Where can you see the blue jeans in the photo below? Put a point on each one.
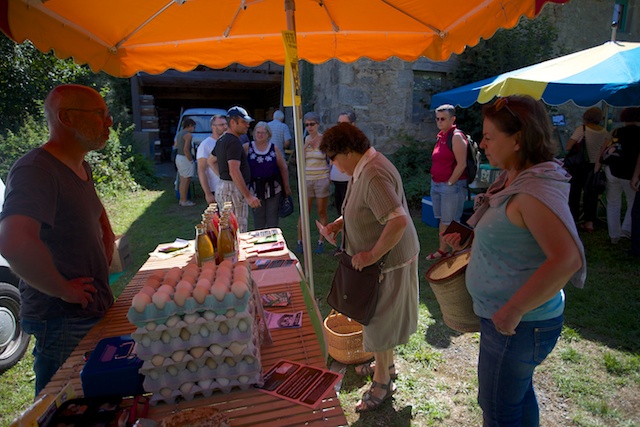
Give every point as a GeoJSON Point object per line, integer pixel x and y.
{"type": "Point", "coordinates": [55, 340]}
{"type": "Point", "coordinates": [448, 200]}
{"type": "Point", "coordinates": [505, 371]}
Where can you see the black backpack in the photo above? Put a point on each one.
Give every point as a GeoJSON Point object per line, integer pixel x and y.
{"type": "Point", "coordinates": [473, 154]}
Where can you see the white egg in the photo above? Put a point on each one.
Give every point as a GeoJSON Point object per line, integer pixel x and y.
{"type": "Point", "coordinates": [230, 313]}
{"type": "Point", "coordinates": [177, 356]}
{"type": "Point", "coordinates": [205, 384]}
{"type": "Point", "coordinates": [242, 325]}
{"type": "Point", "coordinates": [215, 349]}
{"type": "Point", "coordinates": [223, 381]}
{"type": "Point", "coordinates": [236, 348]}
{"type": "Point", "coordinates": [140, 301]}
{"type": "Point", "coordinates": [191, 318]}
{"type": "Point", "coordinates": [172, 370]}
{"type": "Point", "coordinates": [160, 299]}
{"type": "Point", "coordinates": [249, 359]}
{"type": "Point", "coordinates": [153, 374]}
{"type": "Point", "coordinates": [223, 328]}
{"type": "Point", "coordinates": [151, 326]}
{"type": "Point", "coordinates": [165, 392]}
{"type": "Point", "coordinates": [172, 321]}
{"type": "Point", "coordinates": [204, 331]}
{"type": "Point", "coordinates": [209, 315]}
{"type": "Point", "coordinates": [165, 337]}
{"type": "Point", "coordinates": [192, 366]}
{"type": "Point", "coordinates": [243, 379]}
{"type": "Point", "coordinates": [197, 352]}
{"type": "Point", "coordinates": [211, 364]}
{"type": "Point", "coordinates": [146, 341]}
{"type": "Point", "coordinates": [186, 387]}
{"type": "Point", "coordinates": [157, 360]}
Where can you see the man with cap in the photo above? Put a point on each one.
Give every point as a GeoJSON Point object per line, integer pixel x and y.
{"type": "Point", "coordinates": [229, 160]}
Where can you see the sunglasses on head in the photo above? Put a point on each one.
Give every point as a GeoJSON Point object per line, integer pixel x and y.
{"type": "Point", "coordinates": [504, 103]}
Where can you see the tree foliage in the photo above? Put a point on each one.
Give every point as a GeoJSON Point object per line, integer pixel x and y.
{"type": "Point", "coordinates": [530, 42]}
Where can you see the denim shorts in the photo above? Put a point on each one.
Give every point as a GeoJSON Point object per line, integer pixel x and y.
{"type": "Point", "coordinates": [448, 200]}
{"type": "Point", "coordinates": [505, 371]}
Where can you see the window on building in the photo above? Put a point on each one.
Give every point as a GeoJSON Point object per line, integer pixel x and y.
{"type": "Point", "coordinates": [620, 10]}
{"type": "Point", "coordinates": [425, 84]}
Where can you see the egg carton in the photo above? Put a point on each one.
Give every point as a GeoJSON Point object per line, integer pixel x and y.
{"type": "Point", "coordinates": [206, 388]}
{"type": "Point", "coordinates": [188, 360]}
{"type": "Point", "coordinates": [154, 314]}
{"type": "Point", "coordinates": [154, 382]}
{"type": "Point", "coordinates": [204, 338]}
{"type": "Point", "coordinates": [192, 323]}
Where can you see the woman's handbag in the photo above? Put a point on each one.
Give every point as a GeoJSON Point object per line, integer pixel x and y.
{"type": "Point", "coordinates": [597, 181]}
{"type": "Point", "coordinates": [577, 156]}
{"type": "Point", "coordinates": [355, 293]}
{"type": "Point", "coordinates": [286, 206]}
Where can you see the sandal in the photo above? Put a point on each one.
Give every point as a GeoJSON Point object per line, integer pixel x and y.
{"type": "Point", "coordinates": [438, 255]}
{"type": "Point", "coordinates": [370, 401]}
{"type": "Point", "coordinates": [368, 369]}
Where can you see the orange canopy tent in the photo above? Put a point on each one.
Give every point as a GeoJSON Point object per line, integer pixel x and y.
{"type": "Point", "coordinates": [122, 37]}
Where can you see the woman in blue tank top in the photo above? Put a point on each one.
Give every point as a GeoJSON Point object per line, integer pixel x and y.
{"type": "Point", "coordinates": [525, 249]}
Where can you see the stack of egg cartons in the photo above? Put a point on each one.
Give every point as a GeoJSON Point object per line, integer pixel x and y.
{"type": "Point", "coordinates": [197, 331]}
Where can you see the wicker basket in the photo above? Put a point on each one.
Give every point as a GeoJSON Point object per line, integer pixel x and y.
{"type": "Point", "coordinates": [344, 339]}
{"type": "Point", "coordinates": [446, 278]}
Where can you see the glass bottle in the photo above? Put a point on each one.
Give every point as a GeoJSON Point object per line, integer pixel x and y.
{"type": "Point", "coordinates": [227, 248]}
{"type": "Point", "coordinates": [233, 220]}
{"type": "Point", "coordinates": [204, 247]}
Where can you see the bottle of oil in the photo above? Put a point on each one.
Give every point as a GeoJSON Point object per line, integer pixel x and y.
{"type": "Point", "coordinates": [210, 231]}
{"type": "Point", "coordinates": [227, 247]}
{"type": "Point", "coordinates": [204, 247]}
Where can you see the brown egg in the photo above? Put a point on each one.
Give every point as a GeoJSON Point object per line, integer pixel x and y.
{"type": "Point", "coordinates": [140, 302]}
{"type": "Point", "coordinates": [160, 299]}
{"type": "Point", "coordinates": [199, 294]}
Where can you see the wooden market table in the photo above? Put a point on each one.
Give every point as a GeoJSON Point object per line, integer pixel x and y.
{"type": "Point", "coordinates": [243, 408]}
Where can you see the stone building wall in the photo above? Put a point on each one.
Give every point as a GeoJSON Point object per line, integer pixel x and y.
{"type": "Point", "coordinates": [392, 98]}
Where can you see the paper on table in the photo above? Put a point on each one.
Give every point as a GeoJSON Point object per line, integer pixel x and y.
{"type": "Point", "coordinates": [323, 230]}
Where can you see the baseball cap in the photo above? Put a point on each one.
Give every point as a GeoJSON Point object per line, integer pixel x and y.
{"type": "Point", "coordinates": [239, 112]}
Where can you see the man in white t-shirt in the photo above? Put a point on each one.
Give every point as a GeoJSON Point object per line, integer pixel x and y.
{"type": "Point", "coordinates": [208, 179]}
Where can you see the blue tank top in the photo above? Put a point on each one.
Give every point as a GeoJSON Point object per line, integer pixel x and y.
{"type": "Point", "coordinates": [504, 256]}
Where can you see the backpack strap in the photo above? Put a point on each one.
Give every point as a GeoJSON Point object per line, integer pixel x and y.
{"type": "Point", "coordinates": [450, 138]}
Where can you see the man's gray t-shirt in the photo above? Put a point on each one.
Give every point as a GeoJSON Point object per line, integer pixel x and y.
{"type": "Point", "coordinates": [43, 188]}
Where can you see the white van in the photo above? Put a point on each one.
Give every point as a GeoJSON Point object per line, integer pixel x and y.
{"type": "Point", "coordinates": [202, 117]}
{"type": "Point", "coordinates": [13, 340]}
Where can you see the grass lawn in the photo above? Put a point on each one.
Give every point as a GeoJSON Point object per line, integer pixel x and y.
{"type": "Point", "coordinates": [591, 379]}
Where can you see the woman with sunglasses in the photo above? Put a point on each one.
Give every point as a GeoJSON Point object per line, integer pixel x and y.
{"type": "Point", "coordinates": [525, 250]}
{"type": "Point", "coordinates": [448, 177]}
{"type": "Point", "coordinates": [316, 167]}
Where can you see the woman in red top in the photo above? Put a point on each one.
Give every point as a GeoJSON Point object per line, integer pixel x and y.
{"type": "Point", "coordinates": [448, 178]}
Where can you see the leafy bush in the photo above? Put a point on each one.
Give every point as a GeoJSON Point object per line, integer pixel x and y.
{"type": "Point", "coordinates": [413, 161]}
{"type": "Point", "coordinates": [30, 135]}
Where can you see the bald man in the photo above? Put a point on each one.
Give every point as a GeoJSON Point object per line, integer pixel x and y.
{"type": "Point", "coordinates": [54, 231]}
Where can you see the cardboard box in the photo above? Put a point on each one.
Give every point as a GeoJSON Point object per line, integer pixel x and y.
{"type": "Point", "coordinates": [427, 212]}
{"type": "Point", "coordinates": [121, 255]}
{"type": "Point", "coordinates": [112, 369]}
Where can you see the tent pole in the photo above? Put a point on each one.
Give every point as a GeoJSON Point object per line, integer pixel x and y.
{"type": "Point", "coordinates": [290, 7]}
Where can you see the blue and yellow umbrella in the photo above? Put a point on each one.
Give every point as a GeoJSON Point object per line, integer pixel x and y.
{"type": "Point", "coordinates": [609, 73]}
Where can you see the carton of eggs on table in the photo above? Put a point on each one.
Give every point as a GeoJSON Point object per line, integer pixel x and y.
{"type": "Point", "coordinates": [190, 290]}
